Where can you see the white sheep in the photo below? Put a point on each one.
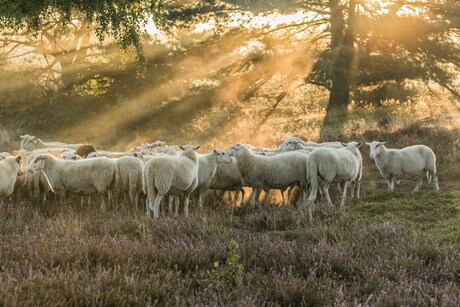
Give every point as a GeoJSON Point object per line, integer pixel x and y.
{"type": "Point", "coordinates": [227, 178]}
{"type": "Point", "coordinates": [413, 161]}
{"type": "Point", "coordinates": [271, 172]}
{"type": "Point", "coordinates": [307, 144]}
{"type": "Point", "coordinates": [4, 155]}
{"type": "Point", "coordinates": [80, 177]}
{"type": "Point", "coordinates": [129, 179]}
{"type": "Point", "coordinates": [175, 175]}
{"type": "Point", "coordinates": [30, 143]}
{"type": "Point", "coordinates": [333, 165]}
{"type": "Point", "coordinates": [207, 166]}
{"type": "Point", "coordinates": [70, 155]}
{"type": "Point", "coordinates": [21, 181]}
{"type": "Point", "coordinates": [10, 169]}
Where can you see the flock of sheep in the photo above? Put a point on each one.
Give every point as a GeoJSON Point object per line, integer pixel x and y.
{"type": "Point", "coordinates": [150, 172]}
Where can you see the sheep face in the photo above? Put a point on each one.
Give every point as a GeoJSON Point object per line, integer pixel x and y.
{"type": "Point", "coordinates": [233, 149]}
{"type": "Point", "coordinates": [70, 155]}
{"type": "Point", "coordinates": [237, 148]}
{"type": "Point", "coordinates": [189, 147]}
{"type": "Point", "coordinates": [37, 164]}
{"type": "Point", "coordinates": [352, 144]}
{"type": "Point", "coordinates": [93, 154]}
{"type": "Point", "coordinates": [374, 148]}
{"type": "Point", "coordinates": [222, 156]}
{"type": "Point", "coordinates": [18, 166]}
{"type": "Point", "coordinates": [289, 145]}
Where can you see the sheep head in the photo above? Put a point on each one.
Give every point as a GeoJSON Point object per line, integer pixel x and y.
{"type": "Point", "coordinates": [375, 148]}
{"type": "Point", "coordinates": [222, 156]}
{"type": "Point", "coordinates": [38, 163]}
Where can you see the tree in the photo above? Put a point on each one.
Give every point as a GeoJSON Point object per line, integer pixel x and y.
{"type": "Point", "coordinates": [65, 23]}
{"type": "Point", "coordinates": [371, 44]}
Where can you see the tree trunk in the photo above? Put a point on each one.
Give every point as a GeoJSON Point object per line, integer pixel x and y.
{"type": "Point", "coordinates": [342, 56]}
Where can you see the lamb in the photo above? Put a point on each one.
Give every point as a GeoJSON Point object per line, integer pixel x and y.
{"type": "Point", "coordinates": [175, 175]}
{"type": "Point", "coordinates": [30, 143]}
{"type": "Point", "coordinates": [10, 169]}
{"type": "Point", "coordinates": [227, 178]}
{"type": "Point", "coordinates": [271, 172]}
{"type": "Point", "coordinates": [81, 177]}
{"type": "Point", "coordinates": [412, 161]}
{"type": "Point", "coordinates": [333, 165]}
{"type": "Point", "coordinates": [207, 166]}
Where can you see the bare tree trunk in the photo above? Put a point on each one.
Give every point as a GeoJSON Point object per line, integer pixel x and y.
{"type": "Point", "coordinates": [342, 56]}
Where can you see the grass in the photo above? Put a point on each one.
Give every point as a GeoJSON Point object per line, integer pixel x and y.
{"type": "Point", "coordinates": [391, 248]}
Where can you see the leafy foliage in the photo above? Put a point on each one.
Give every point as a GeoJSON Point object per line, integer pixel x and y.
{"type": "Point", "coordinates": [120, 19]}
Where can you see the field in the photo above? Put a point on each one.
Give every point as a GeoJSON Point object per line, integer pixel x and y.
{"type": "Point", "coordinates": [385, 249]}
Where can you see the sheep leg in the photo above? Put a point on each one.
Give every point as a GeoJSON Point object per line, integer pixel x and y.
{"type": "Point", "coordinates": [358, 189]}
{"type": "Point", "coordinates": [418, 184]}
{"type": "Point", "coordinates": [282, 196]}
{"type": "Point", "coordinates": [255, 192]}
{"type": "Point", "coordinates": [289, 195]}
{"type": "Point", "coordinates": [391, 183]}
{"type": "Point", "coordinates": [267, 196]}
{"type": "Point", "coordinates": [186, 201]}
{"type": "Point", "coordinates": [156, 205]}
{"type": "Point", "coordinates": [148, 205]}
{"type": "Point", "coordinates": [344, 194]}
{"type": "Point", "coordinates": [339, 187]}
{"type": "Point", "coordinates": [199, 199]}
{"type": "Point", "coordinates": [326, 193]}
{"type": "Point", "coordinates": [170, 204]}
{"type": "Point", "coordinates": [243, 192]}
{"type": "Point", "coordinates": [435, 182]}
{"type": "Point", "coordinates": [177, 201]}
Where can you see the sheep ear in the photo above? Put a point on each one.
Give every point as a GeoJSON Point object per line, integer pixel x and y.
{"type": "Point", "coordinates": [181, 147]}
{"type": "Point", "coordinates": [367, 143]}
{"type": "Point", "coordinates": [195, 148]}
{"type": "Point", "coordinates": [382, 143]}
{"type": "Point", "coordinates": [359, 144]}
{"type": "Point", "coordinates": [344, 144]}
{"type": "Point", "coordinates": [62, 150]}
{"type": "Point", "coordinates": [18, 159]}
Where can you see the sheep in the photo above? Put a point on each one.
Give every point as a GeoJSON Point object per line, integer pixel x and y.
{"type": "Point", "coordinates": [227, 178]}
{"type": "Point", "coordinates": [21, 181]}
{"type": "Point", "coordinates": [207, 165]}
{"type": "Point", "coordinates": [4, 155]}
{"type": "Point", "coordinates": [129, 180]}
{"type": "Point", "coordinates": [30, 143]}
{"type": "Point", "coordinates": [24, 139]}
{"type": "Point", "coordinates": [84, 150]}
{"type": "Point", "coordinates": [271, 172]}
{"type": "Point", "coordinates": [308, 145]}
{"type": "Point", "coordinates": [411, 160]}
{"type": "Point", "coordinates": [81, 177]}
{"type": "Point", "coordinates": [333, 165]}
{"type": "Point", "coordinates": [10, 169]}
{"type": "Point", "coordinates": [175, 175]}
{"type": "Point", "coordinates": [70, 155]}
